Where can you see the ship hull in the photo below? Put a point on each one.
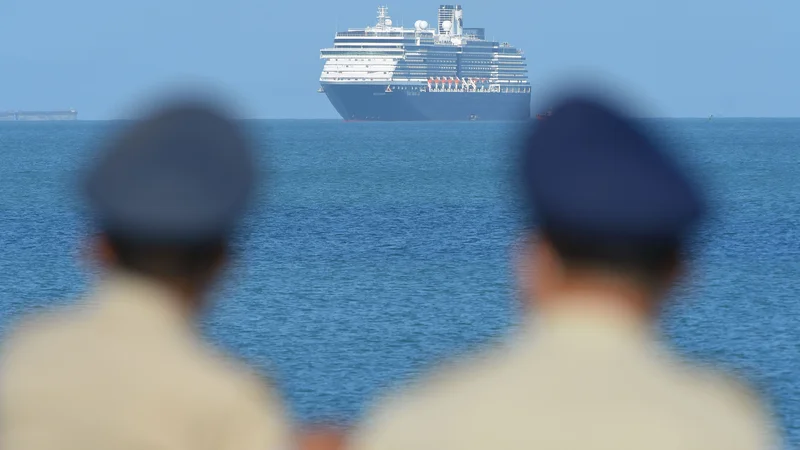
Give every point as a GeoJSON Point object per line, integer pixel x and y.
{"type": "Point", "coordinates": [369, 102]}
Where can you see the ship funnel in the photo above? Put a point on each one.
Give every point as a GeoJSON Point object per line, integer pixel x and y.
{"type": "Point", "coordinates": [451, 14]}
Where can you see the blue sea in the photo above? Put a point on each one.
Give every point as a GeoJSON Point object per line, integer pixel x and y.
{"type": "Point", "coordinates": [377, 249]}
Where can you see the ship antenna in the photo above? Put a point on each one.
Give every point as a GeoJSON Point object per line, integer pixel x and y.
{"type": "Point", "coordinates": [382, 16]}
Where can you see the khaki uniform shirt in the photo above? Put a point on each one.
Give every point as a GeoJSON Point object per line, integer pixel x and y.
{"type": "Point", "coordinates": [572, 381]}
{"type": "Point", "coordinates": [125, 370]}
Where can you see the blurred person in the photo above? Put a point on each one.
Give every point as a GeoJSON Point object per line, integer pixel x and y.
{"type": "Point", "coordinates": [126, 368]}
{"type": "Point", "coordinates": [609, 230]}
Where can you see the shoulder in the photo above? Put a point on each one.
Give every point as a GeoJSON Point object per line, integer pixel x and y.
{"type": "Point", "coordinates": [236, 381]}
{"type": "Point", "coordinates": [247, 407]}
{"type": "Point", "coordinates": [734, 405]}
{"type": "Point", "coordinates": [36, 328]}
{"type": "Point", "coordinates": [242, 387]}
{"type": "Point", "coordinates": [34, 344]}
{"type": "Point", "coordinates": [433, 404]}
{"type": "Point", "coordinates": [720, 388]}
{"type": "Point", "coordinates": [458, 378]}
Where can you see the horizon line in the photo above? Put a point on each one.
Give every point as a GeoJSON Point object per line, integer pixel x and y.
{"type": "Point", "coordinates": [121, 119]}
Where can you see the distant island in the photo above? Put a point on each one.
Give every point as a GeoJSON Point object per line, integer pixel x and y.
{"type": "Point", "coordinates": [69, 114]}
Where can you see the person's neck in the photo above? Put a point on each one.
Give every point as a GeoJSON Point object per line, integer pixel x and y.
{"type": "Point", "coordinates": [187, 297]}
{"type": "Point", "coordinates": [601, 294]}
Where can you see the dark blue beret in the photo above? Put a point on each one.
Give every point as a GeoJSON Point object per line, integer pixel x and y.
{"type": "Point", "coordinates": [182, 174]}
{"type": "Point", "coordinates": [591, 172]}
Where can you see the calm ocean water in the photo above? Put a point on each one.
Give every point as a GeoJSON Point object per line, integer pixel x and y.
{"type": "Point", "coordinates": [382, 248]}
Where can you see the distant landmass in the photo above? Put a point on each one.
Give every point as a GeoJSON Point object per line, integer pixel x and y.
{"type": "Point", "coordinates": [68, 114]}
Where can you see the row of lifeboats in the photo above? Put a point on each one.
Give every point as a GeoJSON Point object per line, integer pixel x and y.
{"type": "Point", "coordinates": [457, 80]}
{"type": "Point", "coordinates": [449, 82]}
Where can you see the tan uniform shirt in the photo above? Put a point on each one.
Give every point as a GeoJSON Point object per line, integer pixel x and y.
{"type": "Point", "coordinates": [572, 381]}
{"type": "Point", "coordinates": [125, 370]}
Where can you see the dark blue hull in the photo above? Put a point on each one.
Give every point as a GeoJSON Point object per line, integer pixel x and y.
{"type": "Point", "coordinates": [407, 103]}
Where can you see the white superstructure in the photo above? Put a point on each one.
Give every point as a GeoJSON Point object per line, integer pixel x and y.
{"type": "Point", "coordinates": [445, 56]}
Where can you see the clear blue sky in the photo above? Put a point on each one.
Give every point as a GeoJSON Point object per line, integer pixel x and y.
{"type": "Point", "coordinates": [687, 57]}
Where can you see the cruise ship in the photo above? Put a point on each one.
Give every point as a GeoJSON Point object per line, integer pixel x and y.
{"type": "Point", "coordinates": [446, 72]}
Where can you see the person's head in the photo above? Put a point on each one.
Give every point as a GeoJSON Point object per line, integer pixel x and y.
{"type": "Point", "coordinates": [610, 213]}
{"type": "Point", "coordinates": [167, 196]}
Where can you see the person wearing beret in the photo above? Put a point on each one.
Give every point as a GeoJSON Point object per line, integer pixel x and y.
{"type": "Point", "coordinates": [125, 368]}
{"type": "Point", "coordinates": [610, 216]}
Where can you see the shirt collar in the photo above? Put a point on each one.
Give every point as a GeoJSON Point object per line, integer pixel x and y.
{"type": "Point", "coordinates": [139, 299]}
{"type": "Point", "coordinates": [591, 326]}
